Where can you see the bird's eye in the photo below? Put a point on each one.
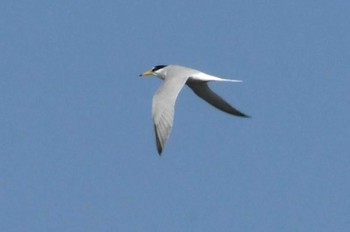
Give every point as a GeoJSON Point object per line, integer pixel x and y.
{"type": "Point", "coordinates": [155, 68]}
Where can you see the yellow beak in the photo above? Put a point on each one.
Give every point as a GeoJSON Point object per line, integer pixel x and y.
{"type": "Point", "coordinates": [147, 73]}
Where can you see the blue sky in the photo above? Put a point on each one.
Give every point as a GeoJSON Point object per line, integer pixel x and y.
{"type": "Point", "coordinates": [77, 149]}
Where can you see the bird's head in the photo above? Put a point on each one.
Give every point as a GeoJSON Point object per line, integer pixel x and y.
{"type": "Point", "coordinates": [156, 71]}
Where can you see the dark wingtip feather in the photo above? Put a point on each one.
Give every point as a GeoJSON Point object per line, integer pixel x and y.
{"type": "Point", "coordinates": [159, 146]}
{"type": "Point", "coordinates": [160, 152]}
{"type": "Point", "coordinates": [235, 112]}
{"type": "Point", "coordinates": [243, 115]}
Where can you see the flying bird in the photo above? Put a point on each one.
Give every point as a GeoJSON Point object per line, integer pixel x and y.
{"type": "Point", "coordinates": [174, 78]}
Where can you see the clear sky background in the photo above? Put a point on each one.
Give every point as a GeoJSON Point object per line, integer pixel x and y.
{"type": "Point", "coordinates": [77, 149]}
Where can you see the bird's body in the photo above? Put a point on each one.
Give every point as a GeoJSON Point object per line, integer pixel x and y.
{"type": "Point", "coordinates": [174, 78]}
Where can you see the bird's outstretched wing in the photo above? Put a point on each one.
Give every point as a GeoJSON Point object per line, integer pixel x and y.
{"type": "Point", "coordinates": [163, 108]}
{"type": "Point", "coordinates": [202, 90]}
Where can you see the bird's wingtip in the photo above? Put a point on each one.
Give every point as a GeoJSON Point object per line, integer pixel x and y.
{"type": "Point", "coordinates": [234, 80]}
{"type": "Point", "coordinates": [158, 143]}
{"type": "Point", "coordinates": [240, 114]}
{"type": "Point", "coordinates": [159, 149]}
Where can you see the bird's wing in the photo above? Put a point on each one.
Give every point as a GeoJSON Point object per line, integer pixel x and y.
{"type": "Point", "coordinates": [202, 90]}
{"type": "Point", "coordinates": [163, 108]}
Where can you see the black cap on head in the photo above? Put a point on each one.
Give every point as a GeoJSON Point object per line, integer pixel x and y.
{"type": "Point", "coordinates": [157, 67]}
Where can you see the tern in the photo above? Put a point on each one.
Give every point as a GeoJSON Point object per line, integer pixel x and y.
{"type": "Point", "coordinates": [174, 78]}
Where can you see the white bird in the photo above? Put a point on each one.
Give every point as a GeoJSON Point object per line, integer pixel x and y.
{"type": "Point", "coordinates": [175, 77]}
